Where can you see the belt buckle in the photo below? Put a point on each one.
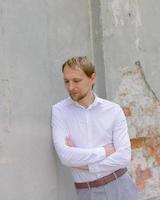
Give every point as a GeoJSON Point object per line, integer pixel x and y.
{"type": "Point", "coordinates": [88, 185]}
{"type": "Point", "coordinates": [115, 175]}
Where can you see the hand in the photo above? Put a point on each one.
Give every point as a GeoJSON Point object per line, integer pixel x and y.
{"type": "Point", "coordinates": [85, 167]}
{"type": "Point", "coordinates": [109, 149]}
{"type": "Point", "coordinates": [69, 142]}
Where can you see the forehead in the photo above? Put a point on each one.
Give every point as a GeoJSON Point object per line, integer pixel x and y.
{"type": "Point", "coordinates": [71, 72]}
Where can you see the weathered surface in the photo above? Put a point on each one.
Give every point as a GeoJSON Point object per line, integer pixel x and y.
{"type": "Point", "coordinates": [142, 109]}
{"type": "Point", "coordinates": [5, 107]}
{"type": "Point", "coordinates": [130, 33]}
{"type": "Point", "coordinates": [139, 102]}
{"type": "Point", "coordinates": [145, 166]}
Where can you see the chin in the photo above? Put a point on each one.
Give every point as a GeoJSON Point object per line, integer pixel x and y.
{"type": "Point", "coordinates": [76, 98]}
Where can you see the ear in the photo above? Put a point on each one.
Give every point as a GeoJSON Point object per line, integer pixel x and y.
{"type": "Point", "coordinates": [93, 78]}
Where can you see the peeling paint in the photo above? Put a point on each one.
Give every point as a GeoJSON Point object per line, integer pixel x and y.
{"type": "Point", "coordinates": [142, 109]}
{"type": "Point", "coordinates": [145, 166]}
{"type": "Point", "coordinates": [117, 12]}
{"type": "Point", "coordinates": [125, 15]}
{"type": "Point", "coordinates": [137, 44]}
{"type": "Point", "coordinates": [120, 8]}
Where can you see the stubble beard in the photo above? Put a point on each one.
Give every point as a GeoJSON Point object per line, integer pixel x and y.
{"type": "Point", "coordinates": [79, 97]}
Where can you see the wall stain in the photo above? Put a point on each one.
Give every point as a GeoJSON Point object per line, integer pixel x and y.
{"type": "Point", "coordinates": [5, 105]}
{"type": "Point", "coordinates": [142, 109]}
{"type": "Point", "coordinates": [2, 29]}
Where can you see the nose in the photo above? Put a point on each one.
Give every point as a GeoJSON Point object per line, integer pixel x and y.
{"type": "Point", "coordinates": [70, 86]}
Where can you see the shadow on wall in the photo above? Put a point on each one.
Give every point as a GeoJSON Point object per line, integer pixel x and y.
{"type": "Point", "coordinates": [142, 110]}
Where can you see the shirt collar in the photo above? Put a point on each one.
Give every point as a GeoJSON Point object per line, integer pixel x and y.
{"type": "Point", "coordinates": [96, 101]}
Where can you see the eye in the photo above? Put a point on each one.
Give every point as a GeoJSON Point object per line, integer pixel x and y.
{"type": "Point", "coordinates": [66, 81]}
{"type": "Point", "coordinates": [77, 80]}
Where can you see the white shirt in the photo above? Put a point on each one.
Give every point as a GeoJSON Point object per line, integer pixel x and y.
{"type": "Point", "coordinates": [102, 123]}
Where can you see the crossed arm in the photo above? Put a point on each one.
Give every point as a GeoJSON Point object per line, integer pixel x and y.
{"type": "Point", "coordinates": [100, 159]}
{"type": "Point", "coordinates": [109, 149]}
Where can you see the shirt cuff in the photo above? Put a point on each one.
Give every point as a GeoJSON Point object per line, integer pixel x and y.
{"type": "Point", "coordinates": [102, 153]}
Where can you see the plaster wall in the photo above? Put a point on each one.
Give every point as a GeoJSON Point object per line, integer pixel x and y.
{"type": "Point", "coordinates": [130, 34]}
{"type": "Point", "coordinates": [35, 39]}
{"type": "Point", "coordinates": [131, 58]}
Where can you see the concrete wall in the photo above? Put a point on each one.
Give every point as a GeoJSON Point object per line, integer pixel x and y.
{"type": "Point", "coordinates": [130, 34]}
{"type": "Point", "coordinates": [35, 38]}
{"type": "Point", "coordinates": [27, 166]}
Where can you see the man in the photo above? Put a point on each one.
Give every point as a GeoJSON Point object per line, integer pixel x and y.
{"type": "Point", "coordinates": [90, 136]}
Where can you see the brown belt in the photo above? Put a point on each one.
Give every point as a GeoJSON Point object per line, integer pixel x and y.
{"type": "Point", "coordinates": [101, 181]}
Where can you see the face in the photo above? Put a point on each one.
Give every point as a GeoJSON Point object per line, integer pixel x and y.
{"type": "Point", "coordinates": [77, 83]}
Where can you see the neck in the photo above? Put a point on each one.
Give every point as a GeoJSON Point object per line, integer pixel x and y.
{"type": "Point", "coordinates": [87, 100]}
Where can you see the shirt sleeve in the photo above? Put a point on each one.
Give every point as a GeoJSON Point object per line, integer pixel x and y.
{"type": "Point", "coordinates": [71, 156]}
{"type": "Point", "coordinates": [122, 156]}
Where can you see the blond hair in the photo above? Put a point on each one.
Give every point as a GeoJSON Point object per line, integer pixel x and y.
{"type": "Point", "coordinates": [82, 62]}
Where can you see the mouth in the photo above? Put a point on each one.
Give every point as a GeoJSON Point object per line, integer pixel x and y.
{"type": "Point", "coordinates": [73, 93]}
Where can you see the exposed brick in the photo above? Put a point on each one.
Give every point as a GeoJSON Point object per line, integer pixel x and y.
{"type": "Point", "coordinates": [140, 183]}
{"type": "Point", "coordinates": [127, 111]}
{"type": "Point", "coordinates": [142, 176]}
{"type": "Point", "coordinates": [151, 146]}
{"type": "Point", "coordinates": [146, 174]}
{"type": "Point", "coordinates": [142, 109]}
{"type": "Point", "coordinates": [137, 142]}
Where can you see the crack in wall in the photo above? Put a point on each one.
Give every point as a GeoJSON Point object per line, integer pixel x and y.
{"type": "Point", "coordinates": [140, 103]}
{"type": "Point", "coordinates": [144, 78]}
{"type": "Point", "coordinates": [142, 109]}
